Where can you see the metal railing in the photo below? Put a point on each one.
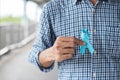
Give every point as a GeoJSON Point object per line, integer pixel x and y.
{"type": "Point", "coordinates": [14, 33]}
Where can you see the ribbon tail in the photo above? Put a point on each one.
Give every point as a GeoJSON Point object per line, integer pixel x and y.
{"type": "Point", "coordinates": [90, 48]}
{"type": "Point", "coordinates": [82, 50]}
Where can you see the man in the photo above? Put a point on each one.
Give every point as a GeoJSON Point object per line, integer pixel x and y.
{"type": "Point", "coordinates": [59, 39]}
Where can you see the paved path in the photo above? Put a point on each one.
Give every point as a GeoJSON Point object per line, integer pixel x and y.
{"type": "Point", "coordinates": [15, 66]}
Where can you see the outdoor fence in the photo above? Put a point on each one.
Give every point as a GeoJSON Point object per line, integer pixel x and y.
{"type": "Point", "coordinates": [14, 33]}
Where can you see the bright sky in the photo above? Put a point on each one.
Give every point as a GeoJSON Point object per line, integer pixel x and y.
{"type": "Point", "coordinates": [16, 8]}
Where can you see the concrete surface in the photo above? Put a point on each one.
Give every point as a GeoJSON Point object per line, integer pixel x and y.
{"type": "Point", "coordinates": [15, 66]}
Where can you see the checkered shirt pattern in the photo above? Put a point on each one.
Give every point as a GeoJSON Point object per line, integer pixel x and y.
{"type": "Point", "coordinates": [68, 18]}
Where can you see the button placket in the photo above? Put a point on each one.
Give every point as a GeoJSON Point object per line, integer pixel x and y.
{"type": "Point", "coordinates": [94, 73]}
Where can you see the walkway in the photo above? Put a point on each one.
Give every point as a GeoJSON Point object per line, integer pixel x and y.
{"type": "Point", "coordinates": [15, 66]}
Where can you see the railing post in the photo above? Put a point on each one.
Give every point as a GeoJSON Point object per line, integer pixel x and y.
{"type": "Point", "coordinates": [25, 23]}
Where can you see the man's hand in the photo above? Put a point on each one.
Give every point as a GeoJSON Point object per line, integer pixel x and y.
{"type": "Point", "coordinates": [63, 49]}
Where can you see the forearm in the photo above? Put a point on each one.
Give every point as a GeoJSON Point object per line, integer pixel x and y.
{"type": "Point", "coordinates": [46, 58]}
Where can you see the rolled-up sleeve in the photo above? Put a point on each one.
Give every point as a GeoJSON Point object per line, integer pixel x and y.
{"type": "Point", "coordinates": [44, 39]}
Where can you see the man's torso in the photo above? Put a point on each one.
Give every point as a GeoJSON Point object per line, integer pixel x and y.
{"type": "Point", "coordinates": [103, 24]}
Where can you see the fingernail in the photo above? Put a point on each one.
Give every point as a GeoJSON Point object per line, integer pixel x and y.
{"type": "Point", "coordinates": [84, 43]}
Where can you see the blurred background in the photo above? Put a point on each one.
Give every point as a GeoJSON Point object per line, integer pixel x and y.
{"type": "Point", "coordinates": [19, 20]}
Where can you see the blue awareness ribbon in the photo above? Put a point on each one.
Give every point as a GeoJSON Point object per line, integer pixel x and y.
{"type": "Point", "coordinates": [85, 37]}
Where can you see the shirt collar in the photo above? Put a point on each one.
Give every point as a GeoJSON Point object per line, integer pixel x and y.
{"type": "Point", "coordinates": [75, 1]}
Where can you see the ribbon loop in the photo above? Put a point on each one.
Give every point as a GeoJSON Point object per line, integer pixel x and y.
{"type": "Point", "coordinates": [85, 37]}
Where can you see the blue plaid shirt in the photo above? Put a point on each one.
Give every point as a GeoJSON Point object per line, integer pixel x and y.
{"type": "Point", "coordinates": [68, 18]}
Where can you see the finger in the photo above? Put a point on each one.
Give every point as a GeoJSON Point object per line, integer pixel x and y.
{"type": "Point", "coordinates": [79, 42]}
{"type": "Point", "coordinates": [69, 51]}
{"type": "Point", "coordinates": [68, 44]}
{"type": "Point", "coordinates": [71, 39]}
{"type": "Point", "coordinates": [66, 39]}
{"type": "Point", "coordinates": [67, 56]}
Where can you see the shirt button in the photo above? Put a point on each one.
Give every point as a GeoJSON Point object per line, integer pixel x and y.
{"type": "Point", "coordinates": [95, 52]}
{"type": "Point", "coordinates": [94, 11]}
{"type": "Point", "coordinates": [94, 74]}
{"type": "Point", "coordinates": [103, 2]}
{"type": "Point", "coordinates": [94, 30]}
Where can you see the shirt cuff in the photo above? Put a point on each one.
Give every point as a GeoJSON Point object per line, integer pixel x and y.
{"type": "Point", "coordinates": [48, 69]}
{"type": "Point", "coordinates": [34, 58]}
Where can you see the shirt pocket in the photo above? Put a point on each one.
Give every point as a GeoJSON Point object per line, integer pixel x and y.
{"type": "Point", "coordinates": [112, 41]}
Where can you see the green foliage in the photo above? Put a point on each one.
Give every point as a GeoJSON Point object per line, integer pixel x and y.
{"type": "Point", "coordinates": [10, 19]}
